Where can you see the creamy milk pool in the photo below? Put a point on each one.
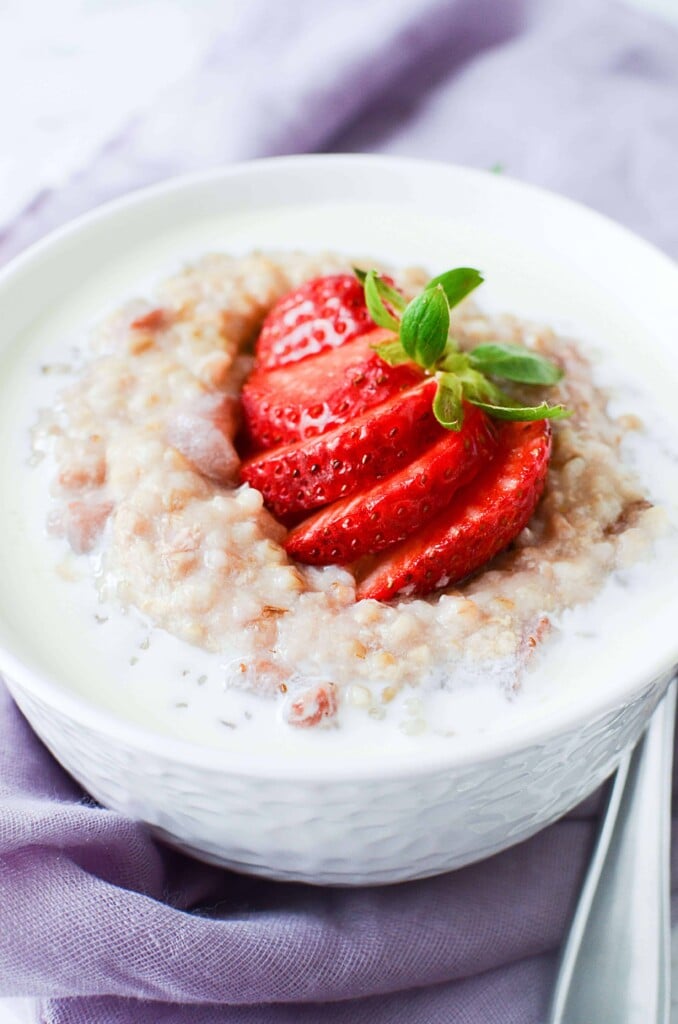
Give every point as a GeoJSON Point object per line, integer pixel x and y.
{"type": "Point", "coordinates": [123, 663]}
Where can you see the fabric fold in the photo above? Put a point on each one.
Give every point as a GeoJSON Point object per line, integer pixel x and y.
{"type": "Point", "coordinates": [127, 917]}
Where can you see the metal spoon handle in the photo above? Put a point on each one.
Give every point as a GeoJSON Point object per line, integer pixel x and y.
{"type": "Point", "coordinates": [615, 964]}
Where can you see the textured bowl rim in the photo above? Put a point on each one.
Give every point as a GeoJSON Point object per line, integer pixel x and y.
{"type": "Point", "coordinates": [46, 688]}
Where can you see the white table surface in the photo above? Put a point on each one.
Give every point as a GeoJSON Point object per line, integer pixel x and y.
{"type": "Point", "coordinates": [71, 41]}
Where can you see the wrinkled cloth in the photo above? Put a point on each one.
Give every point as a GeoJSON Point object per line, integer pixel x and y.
{"type": "Point", "coordinates": [99, 921]}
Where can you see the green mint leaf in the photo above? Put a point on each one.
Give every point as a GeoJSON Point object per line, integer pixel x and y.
{"type": "Point", "coordinates": [451, 348]}
{"type": "Point", "coordinates": [392, 352]}
{"type": "Point", "coordinates": [497, 168]}
{"type": "Point", "coordinates": [453, 361]}
{"type": "Point", "coordinates": [389, 294]}
{"type": "Point", "coordinates": [447, 404]}
{"type": "Point", "coordinates": [425, 326]}
{"type": "Point", "coordinates": [482, 392]}
{"type": "Point", "coordinates": [514, 362]}
{"type": "Point", "coordinates": [479, 389]}
{"type": "Point", "coordinates": [375, 303]}
{"type": "Point", "coordinates": [457, 283]}
{"type": "Point", "coordinates": [544, 411]}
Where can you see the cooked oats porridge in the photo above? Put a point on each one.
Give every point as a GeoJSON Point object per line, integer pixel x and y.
{"type": "Point", "coordinates": [143, 449]}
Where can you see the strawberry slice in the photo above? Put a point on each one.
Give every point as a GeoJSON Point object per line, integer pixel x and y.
{"type": "Point", "coordinates": [479, 522]}
{"type": "Point", "coordinates": [323, 313]}
{"type": "Point", "coordinates": [394, 508]}
{"type": "Point", "coordinates": [298, 477]}
{"type": "Point", "coordinates": [306, 399]}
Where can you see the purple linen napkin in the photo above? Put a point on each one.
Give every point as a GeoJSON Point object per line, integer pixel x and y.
{"type": "Point", "coordinates": [96, 919]}
{"type": "Point", "coordinates": [94, 913]}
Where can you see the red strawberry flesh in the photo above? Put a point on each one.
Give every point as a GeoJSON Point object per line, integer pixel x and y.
{"type": "Point", "coordinates": [299, 477]}
{"type": "Point", "coordinates": [323, 313]}
{"type": "Point", "coordinates": [305, 399]}
{"type": "Point", "coordinates": [396, 507]}
{"type": "Point", "coordinates": [480, 521]}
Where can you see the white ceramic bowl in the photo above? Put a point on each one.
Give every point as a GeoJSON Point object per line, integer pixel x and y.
{"type": "Point", "coordinates": [378, 821]}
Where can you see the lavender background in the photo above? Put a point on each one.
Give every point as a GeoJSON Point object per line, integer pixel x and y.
{"type": "Point", "coordinates": [579, 96]}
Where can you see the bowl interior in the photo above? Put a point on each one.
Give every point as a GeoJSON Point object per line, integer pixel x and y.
{"type": "Point", "coordinates": [543, 257]}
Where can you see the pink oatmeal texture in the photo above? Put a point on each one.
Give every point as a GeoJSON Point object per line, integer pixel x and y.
{"type": "Point", "coordinates": [146, 472]}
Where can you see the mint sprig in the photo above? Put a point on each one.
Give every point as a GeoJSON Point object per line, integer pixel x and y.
{"type": "Point", "coordinates": [377, 293]}
{"type": "Point", "coordinates": [457, 283]}
{"type": "Point", "coordinates": [425, 326]}
{"type": "Point", "coordinates": [421, 334]}
{"type": "Point", "coordinates": [543, 411]}
{"type": "Point", "coordinates": [514, 362]}
{"type": "Point", "coordinates": [447, 404]}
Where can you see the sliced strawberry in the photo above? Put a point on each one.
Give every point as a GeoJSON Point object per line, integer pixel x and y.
{"type": "Point", "coordinates": [323, 313]}
{"type": "Point", "coordinates": [479, 522]}
{"type": "Point", "coordinates": [297, 477]}
{"type": "Point", "coordinates": [306, 399]}
{"type": "Point", "coordinates": [390, 511]}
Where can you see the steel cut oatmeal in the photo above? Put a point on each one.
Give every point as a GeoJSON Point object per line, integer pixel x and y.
{"type": "Point", "coordinates": [147, 444]}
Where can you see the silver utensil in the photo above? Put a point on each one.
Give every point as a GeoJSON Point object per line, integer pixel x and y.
{"type": "Point", "coordinates": [615, 965]}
